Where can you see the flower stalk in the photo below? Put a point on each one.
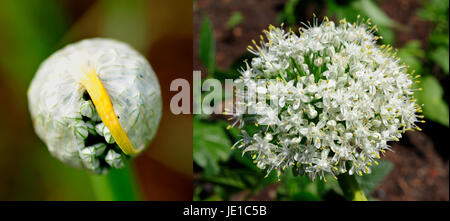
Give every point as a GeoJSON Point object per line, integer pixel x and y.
{"type": "Point", "coordinates": [350, 187]}
{"type": "Point", "coordinates": [117, 185]}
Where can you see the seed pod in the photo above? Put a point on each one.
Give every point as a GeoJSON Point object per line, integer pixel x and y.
{"type": "Point", "coordinates": [95, 101]}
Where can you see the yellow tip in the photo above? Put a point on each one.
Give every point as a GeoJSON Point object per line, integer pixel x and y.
{"type": "Point", "coordinates": [103, 105]}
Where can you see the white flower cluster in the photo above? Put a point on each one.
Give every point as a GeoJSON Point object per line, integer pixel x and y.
{"type": "Point", "coordinates": [332, 100]}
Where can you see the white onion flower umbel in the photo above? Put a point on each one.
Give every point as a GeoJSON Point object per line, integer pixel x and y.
{"type": "Point", "coordinates": [334, 100]}
{"type": "Point", "coordinates": [94, 103]}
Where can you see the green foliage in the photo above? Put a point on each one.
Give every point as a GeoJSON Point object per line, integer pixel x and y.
{"type": "Point", "coordinates": [436, 54]}
{"type": "Point", "coordinates": [373, 11]}
{"type": "Point", "coordinates": [440, 56]}
{"type": "Point", "coordinates": [235, 20]}
{"type": "Point", "coordinates": [288, 15]}
{"type": "Point", "coordinates": [207, 44]}
{"type": "Point", "coordinates": [367, 9]}
{"type": "Point", "coordinates": [300, 188]}
{"type": "Point", "coordinates": [235, 178]}
{"type": "Point", "coordinates": [117, 185]}
{"type": "Point", "coordinates": [342, 11]}
{"type": "Point", "coordinates": [435, 107]}
{"type": "Point", "coordinates": [211, 146]}
{"type": "Point", "coordinates": [411, 54]}
{"type": "Point", "coordinates": [369, 182]}
{"type": "Point", "coordinates": [350, 187]}
{"type": "Point", "coordinates": [233, 72]}
{"type": "Point", "coordinates": [436, 11]}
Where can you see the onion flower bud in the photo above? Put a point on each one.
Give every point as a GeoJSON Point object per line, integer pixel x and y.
{"type": "Point", "coordinates": [95, 103]}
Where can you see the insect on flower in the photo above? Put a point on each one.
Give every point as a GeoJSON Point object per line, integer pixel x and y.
{"type": "Point", "coordinates": [95, 103]}
{"type": "Point", "coordinates": [334, 99]}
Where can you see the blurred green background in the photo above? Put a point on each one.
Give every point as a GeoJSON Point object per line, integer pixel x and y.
{"type": "Point", "coordinates": [417, 169]}
{"type": "Point", "coordinates": [31, 31]}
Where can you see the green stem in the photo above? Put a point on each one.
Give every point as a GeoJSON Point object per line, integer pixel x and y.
{"type": "Point", "coordinates": [350, 187]}
{"type": "Point", "coordinates": [117, 185]}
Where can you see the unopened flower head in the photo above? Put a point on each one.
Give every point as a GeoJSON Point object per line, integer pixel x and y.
{"type": "Point", "coordinates": [334, 98]}
{"type": "Point", "coordinates": [95, 103]}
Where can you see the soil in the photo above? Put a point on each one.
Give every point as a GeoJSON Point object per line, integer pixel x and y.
{"type": "Point", "coordinates": [232, 43]}
{"type": "Point", "coordinates": [421, 167]}
{"type": "Point", "coordinates": [404, 12]}
{"type": "Point", "coordinates": [419, 172]}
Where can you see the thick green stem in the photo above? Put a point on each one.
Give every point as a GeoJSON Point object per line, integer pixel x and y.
{"type": "Point", "coordinates": [117, 185]}
{"type": "Point", "coordinates": [350, 187]}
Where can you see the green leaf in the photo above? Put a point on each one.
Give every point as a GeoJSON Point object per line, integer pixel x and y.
{"type": "Point", "coordinates": [369, 182]}
{"type": "Point", "coordinates": [302, 196]}
{"type": "Point", "coordinates": [413, 47]}
{"type": "Point", "coordinates": [196, 193]}
{"type": "Point", "coordinates": [372, 10]}
{"type": "Point", "coordinates": [207, 45]}
{"type": "Point", "coordinates": [440, 56]}
{"type": "Point", "coordinates": [247, 161]}
{"type": "Point", "coordinates": [342, 11]}
{"type": "Point", "coordinates": [288, 15]}
{"type": "Point", "coordinates": [244, 159]}
{"type": "Point", "coordinates": [435, 107]}
{"type": "Point", "coordinates": [440, 39]}
{"type": "Point", "coordinates": [300, 188]}
{"type": "Point", "coordinates": [333, 184]}
{"type": "Point", "coordinates": [235, 20]}
{"type": "Point", "coordinates": [236, 178]}
{"type": "Point", "coordinates": [434, 10]}
{"type": "Point", "coordinates": [367, 9]}
{"type": "Point", "coordinates": [215, 197]}
{"type": "Point", "coordinates": [211, 145]}
{"type": "Point", "coordinates": [387, 33]}
{"type": "Point", "coordinates": [411, 54]}
{"type": "Point", "coordinates": [236, 67]}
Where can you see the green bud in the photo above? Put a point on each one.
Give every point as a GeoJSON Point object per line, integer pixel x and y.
{"type": "Point", "coordinates": [87, 109]}
{"type": "Point", "coordinates": [114, 159]}
{"type": "Point", "coordinates": [106, 133]}
{"type": "Point", "coordinates": [91, 128]}
{"type": "Point", "coordinates": [80, 129]}
{"type": "Point", "coordinates": [99, 128]}
{"type": "Point", "coordinates": [89, 159]}
{"type": "Point", "coordinates": [99, 148]}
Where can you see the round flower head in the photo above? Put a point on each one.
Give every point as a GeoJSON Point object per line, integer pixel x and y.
{"type": "Point", "coordinates": [94, 103]}
{"type": "Point", "coordinates": [327, 100]}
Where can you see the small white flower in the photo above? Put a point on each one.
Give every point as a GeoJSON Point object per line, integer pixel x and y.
{"type": "Point", "coordinates": [318, 62]}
